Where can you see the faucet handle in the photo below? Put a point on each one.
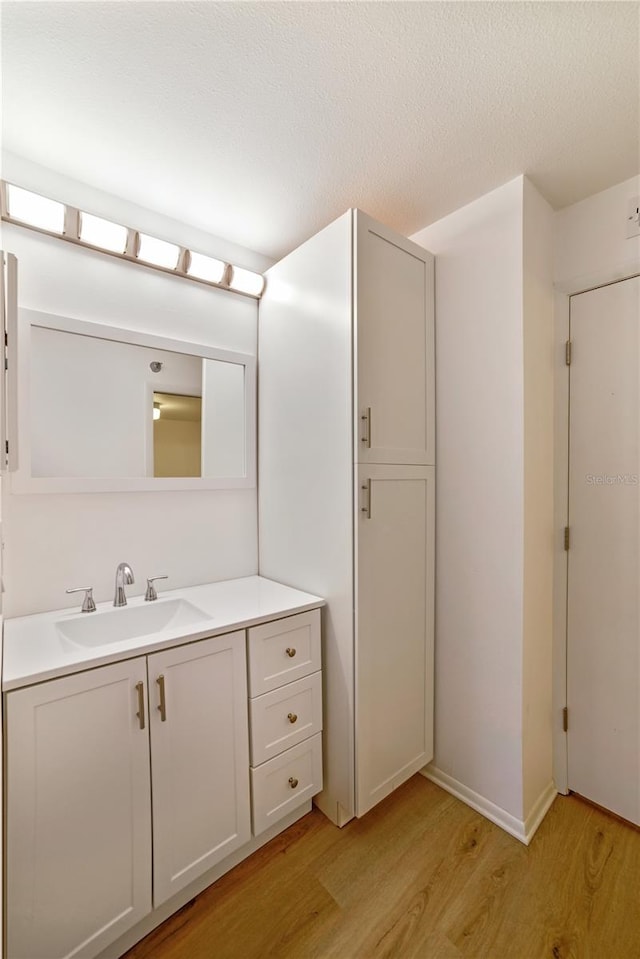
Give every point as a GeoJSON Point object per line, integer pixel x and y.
{"type": "Point", "coordinates": [88, 604]}
{"type": "Point", "coordinates": [151, 593]}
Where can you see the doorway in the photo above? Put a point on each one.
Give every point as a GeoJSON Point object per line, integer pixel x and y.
{"type": "Point", "coordinates": [603, 573]}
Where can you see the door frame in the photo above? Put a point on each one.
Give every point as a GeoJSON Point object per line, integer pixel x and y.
{"type": "Point", "coordinates": [561, 308]}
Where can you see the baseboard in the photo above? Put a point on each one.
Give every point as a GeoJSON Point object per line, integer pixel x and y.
{"type": "Point", "coordinates": [540, 809]}
{"type": "Point", "coordinates": [332, 809]}
{"type": "Point", "coordinates": [523, 830]}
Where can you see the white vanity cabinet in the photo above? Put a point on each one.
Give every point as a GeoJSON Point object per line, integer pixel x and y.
{"type": "Point", "coordinates": [347, 489]}
{"type": "Point", "coordinates": [80, 818]}
{"type": "Point", "coordinates": [128, 783]}
{"type": "Point", "coordinates": [78, 812]}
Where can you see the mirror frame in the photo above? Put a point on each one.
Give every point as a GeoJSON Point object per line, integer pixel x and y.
{"type": "Point", "coordinates": [21, 480]}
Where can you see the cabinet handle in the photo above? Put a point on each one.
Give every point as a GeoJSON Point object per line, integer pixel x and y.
{"type": "Point", "coordinates": [366, 419]}
{"type": "Point", "coordinates": [163, 703]}
{"type": "Point", "coordinates": [140, 713]}
{"type": "Point", "coordinates": [292, 717]}
{"type": "Point", "coordinates": [293, 782]}
{"type": "Point", "coordinates": [290, 651]}
{"type": "Point", "coordinates": [366, 488]}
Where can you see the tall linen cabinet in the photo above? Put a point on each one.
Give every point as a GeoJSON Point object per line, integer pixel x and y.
{"type": "Point", "coordinates": [347, 489]}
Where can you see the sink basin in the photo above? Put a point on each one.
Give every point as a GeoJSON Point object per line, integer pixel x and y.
{"type": "Point", "coordinates": [129, 622]}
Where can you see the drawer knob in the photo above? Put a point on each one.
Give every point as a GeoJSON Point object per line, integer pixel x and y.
{"type": "Point", "coordinates": [292, 717]}
{"type": "Point", "coordinates": [293, 782]}
{"type": "Point", "coordinates": [290, 652]}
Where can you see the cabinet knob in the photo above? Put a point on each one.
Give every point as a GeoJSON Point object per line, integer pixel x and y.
{"type": "Point", "coordinates": [293, 782]}
{"type": "Point", "coordinates": [290, 652]}
{"type": "Point", "coordinates": [292, 717]}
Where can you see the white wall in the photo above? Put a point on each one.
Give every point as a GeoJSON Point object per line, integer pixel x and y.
{"type": "Point", "coordinates": [479, 509]}
{"type": "Point", "coordinates": [494, 515]}
{"type": "Point", "coordinates": [590, 239]}
{"type": "Point", "coordinates": [55, 541]}
{"type": "Point", "coordinates": [538, 356]}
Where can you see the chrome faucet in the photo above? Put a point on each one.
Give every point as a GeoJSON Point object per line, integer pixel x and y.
{"type": "Point", "coordinates": [124, 577]}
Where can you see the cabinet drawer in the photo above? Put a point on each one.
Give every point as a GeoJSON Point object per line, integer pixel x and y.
{"type": "Point", "coordinates": [283, 783]}
{"type": "Point", "coordinates": [285, 717]}
{"type": "Point", "coordinates": [283, 651]}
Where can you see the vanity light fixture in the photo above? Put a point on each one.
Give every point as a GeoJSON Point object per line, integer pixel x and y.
{"type": "Point", "coordinates": [67, 222]}
{"type": "Point", "coordinates": [158, 252]}
{"type": "Point", "coordinates": [206, 267]}
{"type": "Point", "coordinates": [103, 233]}
{"type": "Point", "coordinates": [244, 281]}
{"type": "Point", "coordinates": [34, 210]}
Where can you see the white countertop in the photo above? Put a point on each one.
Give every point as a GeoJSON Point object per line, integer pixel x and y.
{"type": "Point", "coordinates": [34, 649]}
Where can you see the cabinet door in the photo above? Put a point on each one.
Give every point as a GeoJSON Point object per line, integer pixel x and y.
{"type": "Point", "coordinates": [78, 812]}
{"type": "Point", "coordinates": [199, 759]}
{"type": "Point", "coordinates": [394, 337]}
{"type": "Point", "coordinates": [394, 628]}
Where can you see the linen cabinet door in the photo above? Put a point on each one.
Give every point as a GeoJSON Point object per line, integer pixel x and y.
{"type": "Point", "coordinates": [394, 337]}
{"type": "Point", "coordinates": [394, 628]}
{"type": "Point", "coordinates": [78, 812]}
{"type": "Point", "coordinates": [199, 758]}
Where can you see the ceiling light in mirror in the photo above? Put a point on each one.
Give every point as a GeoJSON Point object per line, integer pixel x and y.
{"type": "Point", "coordinates": [158, 252]}
{"type": "Point", "coordinates": [205, 267]}
{"type": "Point", "coordinates": [103, 233]}
{"type": "Point", "coordinates": [244, 281]}
{"type": "Point", "coordinates": [34, 209]}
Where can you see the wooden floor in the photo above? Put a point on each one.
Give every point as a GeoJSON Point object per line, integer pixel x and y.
{"type": "Point", "coordinates": [422, 876]}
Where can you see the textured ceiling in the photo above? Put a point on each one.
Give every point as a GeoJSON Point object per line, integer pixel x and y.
{"type": "Point", "coordinates": [260, 122]}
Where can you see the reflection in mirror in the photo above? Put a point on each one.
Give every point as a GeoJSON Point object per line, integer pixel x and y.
{"type": "Point", "coordinates": [224, 416]}
{"type": "Point", "coordinates": [103, 408]}
{"type": "Point", "coordinates": [177, 435]}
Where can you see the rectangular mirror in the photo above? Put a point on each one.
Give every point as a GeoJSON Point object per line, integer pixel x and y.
{"type": "Point", "coordinates": [105, 409]}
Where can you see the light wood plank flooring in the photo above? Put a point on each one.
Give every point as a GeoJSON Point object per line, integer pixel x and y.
{"type": "Point", "coordinates": [422, 876]}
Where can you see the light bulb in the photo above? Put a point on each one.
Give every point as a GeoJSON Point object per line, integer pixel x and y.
{"type": "Point", "coordinates": [103, 233]}
{"type": "Point", "coordinates": [34, 209]}
{"type": "Point", "coordinates": [206, 267]}
{"type": "Point", "coordinates": [244, 281]}
{"type": "Point", "coordinates": [156, 411]}
{"type": "Point", "coordinates": [158, 252]}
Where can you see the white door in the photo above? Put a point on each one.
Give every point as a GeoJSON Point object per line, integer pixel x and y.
{"type": "Point", "coordinates": [199, 759]}
{"type": "Point", "coordinates": [394, 333]}
{"type": "Point", "coordinates": [394, 628]}
{"type": "Point", "coordinates": [78, 812]}
{"type": "Point", "coordinates": [603, 642]}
